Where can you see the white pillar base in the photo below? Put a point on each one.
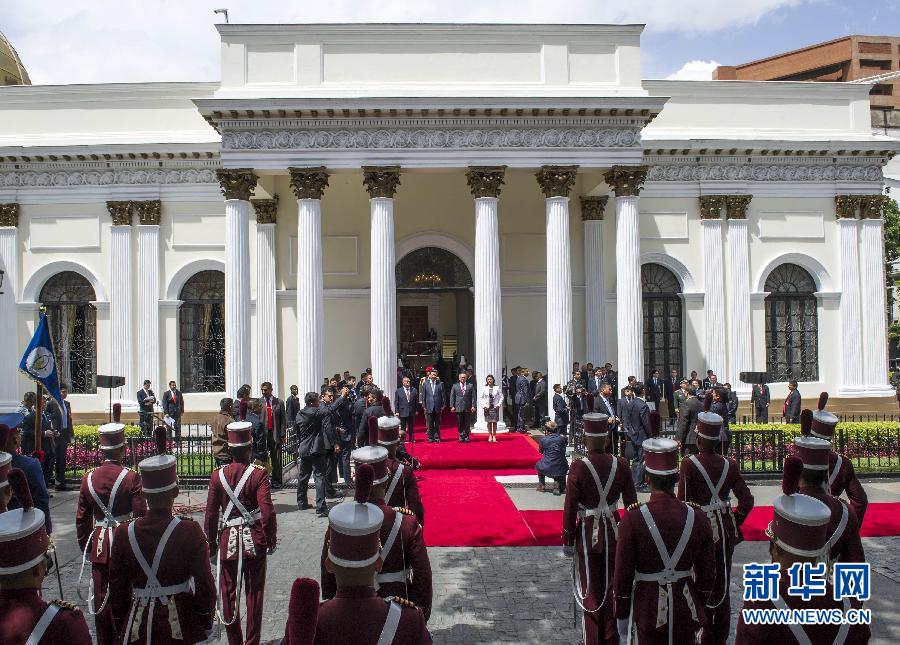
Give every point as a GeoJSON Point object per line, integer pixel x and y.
{"type": "Point", "coordinates": [867, 391]}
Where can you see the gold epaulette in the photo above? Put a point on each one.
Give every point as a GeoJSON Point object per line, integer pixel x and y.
{"type": "Point", "coordinates": [186, 517]}
{"type": "Point", "coordinates": [633, 506]}
{"type": "Point", "coordinates": [130, 468]}
{"type": "Point", "coordinates": [258, 467]}
{"type": "Point", "coordinates": [89, 471]}
{"type": "Point", "coordinates": [403, 510]}
{"type": "Point", "coordinates": [694, 504]}
{"type": "Point", "coordinates": [63, 604]}
{"type": "Point", "coordinates": [403, 602]}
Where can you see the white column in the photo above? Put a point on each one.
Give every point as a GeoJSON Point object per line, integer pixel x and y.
{"type": "Point", "coordinates": [851, 324]}
{"type": "Point", "coordinates": [148, 301]}
{"type": "Point", "coordinates": [594, 297]}
{"type": "Point", "coordinates": [739, 291]}
{"type": "Point", "coordinates": [381, 184]}
{"type": "Point", "coordinates": [10, 351]}
{"type": "Point", "coordinates": [874, 314]}
{"type": "Point", "coordinates": [309, 186]}
{"type": "Point", "coordinates": [714, 301]}
{"type": "Point", "coordinates": [266, 321]}
{"type": "Point", "coordinates": [120, 314]}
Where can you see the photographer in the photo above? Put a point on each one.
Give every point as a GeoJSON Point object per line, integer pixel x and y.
{"type": "Point", "coordinates": [553, 463]}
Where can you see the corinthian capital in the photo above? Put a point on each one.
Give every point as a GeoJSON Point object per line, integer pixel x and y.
{"type": "Point", "coordinates": [711, 206]}
{"type": "Point", "coordinates": [736, 206]}
{"type": "Point", "coordinates": [237, 183]}
{"type": "Point", "coordinates": [266, 210]}
{"type": "Point", "coordinates": [871, 206]}
{"type": "Point", "coordinates": [120, 213]}
{"type": "Point", "coordinates": [309, 183]}
{"type": "Point", "coordinates": [845, 206]}
{"type": "Point", "coordinates": [381, 181]}
{"type": "Point", "coordinates": [556, 181]}
{"type": "Point", "coordinates": [149, 212]}
{"type": "Point", "coordinates": [626, 181]}
{"type": "Point", "coordinates": [485, 181]}
{"type": "Point", "coordinates": [9, 214]}
{"type": "Point", "coordinates": [592, 208]}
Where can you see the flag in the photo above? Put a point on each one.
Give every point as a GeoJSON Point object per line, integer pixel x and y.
{"type": "Point", "coordinates": [39, 362]}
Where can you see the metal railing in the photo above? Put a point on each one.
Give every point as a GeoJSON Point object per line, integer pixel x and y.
{"type": "Point", "coordinates": [843, 418]}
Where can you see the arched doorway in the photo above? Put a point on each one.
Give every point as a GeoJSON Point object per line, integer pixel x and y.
{"type": "Point", "coordinates": [72, 317]}
{"type": "Point", "coordinates": [201, 333]}
{"type": "Point", "coordinates": [792, 325]}
{"type": "Point", "coordinates": [435, 321]}
{"type": "Point", "coordinates": [662, 320]}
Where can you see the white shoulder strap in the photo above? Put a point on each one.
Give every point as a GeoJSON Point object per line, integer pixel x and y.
{"type": "Point", "coordinates": [46, 618]}
{"type": "Point", "coordinates": [669, 561]}
{"type": "Point", "coordinates": [713, 489]}
{"type": "Point", "coordinates": [844, 630]}
{"type": "Point", "coordinates": [107, 510]}
{"type": "Point", "coordinates": [604, 489]}
{"type": "Point", "coordinates": [394, 481]}
{"type": "Point", "coordinates": [391, 623]}
{"type": "Point", "coordinates": [796, 630]}
{"type": "Point", "coordinates": [839, 529]}
{"type": "Point", "coordinates": [392, 536]}
{"type": "Point", "coordinates": [832, 476]}
{"type": "Point", "coordinates": [234, 502]}
{"type": "Point", "coordinates": [150, 571]}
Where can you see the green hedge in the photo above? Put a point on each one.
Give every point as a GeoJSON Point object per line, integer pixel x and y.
{"type": "Point", "coordinates": [89, 435]}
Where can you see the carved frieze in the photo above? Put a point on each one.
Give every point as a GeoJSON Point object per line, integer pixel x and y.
{"type": "Point", "coordinates": [626, 181]}
{"type": "Point", "coordinates": [106, 177]}
{"type": "Point", "coordinates": [237, 183]}
{"type": "Point", "coordinates": [120, 213]}
{"type": "Point", "coordinates": [309, 183]}
{"type": "Point", "coordinates": [266, 210]}
{"type": "Point", "coordinates": [711, 206]}
{"type": "Point", "coordinates": [592, 208]}
{"type": "Point", "coordinates": [9, 214]}
{"type": "Point", "coordinates": [765, 172]}
{"type": "Point", "coordinates": [556, 181]}
{"type": "Point", "coordinates": [736, 206]}
{"type": "Point", "coordinates": [486, 181]}
{"type": "Point", "coordinates": [149, 212]}
{"type": "Point", "coordinates": [381, 181]}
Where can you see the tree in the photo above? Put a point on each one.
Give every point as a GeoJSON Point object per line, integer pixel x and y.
{"type": "Point", "coordinates": [891, 255]}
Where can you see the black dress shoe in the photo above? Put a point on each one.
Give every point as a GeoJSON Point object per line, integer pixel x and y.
{"type": "Point", "coordinates": [303, 507]}
{"type": "Point", "coordinates": [321, 513]}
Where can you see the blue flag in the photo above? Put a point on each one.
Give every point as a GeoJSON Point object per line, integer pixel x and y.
{"type": "Point", "coordinates": [39, 362]}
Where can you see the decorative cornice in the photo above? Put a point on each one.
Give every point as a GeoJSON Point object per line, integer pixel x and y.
{"type": "Point", "coordinates": [765, 172]}
{"type": "Point", "coordinates": [34, 178]}
{"type": "Point", "coordinates": [845, 206]}
{"type": "Point", "coordinates": [556, 181]}
{"type": "Point", "coordinates": [871, 206]}
{"type": "Point", "coordinates": [626, 181]}
{"type": "Point", "coordinates": [237, 183]}
{"type": "Point", "coordinates": [9, 214]}
{"type": "Point", "coordinates": [120, 213]}
{"type": "Point", "coordinates": [592, 208]}
{"type": "Point", "coordinates": [711, 206]}
{"type": "Point", "coordinates": [736, 206]}
{"type": "Point", "coordinates": [431, 138]}
{"type": "Point", "coordinates": [149, 212]}
{"type": "Point", "coordinates": [266, 210]}
{"type": "Point", "coordinates": [309, 183]}
{"type": "Point", "coordinates": [381, 181]}
{"type": "Point", "coordinates": [486, 181]}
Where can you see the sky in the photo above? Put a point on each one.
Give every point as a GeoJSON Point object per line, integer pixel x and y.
{"type": "Point", "coordinates": [108, 41]}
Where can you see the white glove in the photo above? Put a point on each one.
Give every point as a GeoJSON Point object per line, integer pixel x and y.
{"type": "Point", "coordinates": [622, 627]}
{"type": "Point", "coordinates": [568, 551]}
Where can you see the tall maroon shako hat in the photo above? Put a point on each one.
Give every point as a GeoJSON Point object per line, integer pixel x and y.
{"type": "Point", "coordinates": [800, 525]}
{"type": "Point", "coordinates": [112, 436]}
{"type": "Point", "coordinates": [388, 431]}
{"type": "Point", "coordinates": [355, 527]}
{"type": "Point", "coordinates": [159, 473]}
{"type": "Point", "coordinates": [372, 427]}
{"type": "Point", "coordinates": [386, 405]}
{"type": "Point", "coordinates": [5, 466]}
{"type": "Point", "coordinates": [242, 409]}
{"type": "Point", "coordinates": [596, 424]}
{"type": "Point", "coordinates": [376, 458]}
{"type": "Point", "coordinates": [806, 417]}
{"type": "Point", "coordinates": [660, 456]}
{"type": "Point", "coordinates": [709, 424]}
{"type": "Point", "coordinates": [117, 412]}
{"type": "Point", "coordinates": [655, 423]}
{"type": "Point", "coordinates": [239, 434]}
{"type": "Point", "coordinates": [303, 613]}
{"type": "Point", "coordinates": [23, 537]}
{"type": "Point", "coordinates": [809, 452]}
{"type": "Point", "coordinates": [823, 423]}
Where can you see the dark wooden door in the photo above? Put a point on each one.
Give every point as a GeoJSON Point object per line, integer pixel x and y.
{"type": "Point", "coordinates": [413, 323]}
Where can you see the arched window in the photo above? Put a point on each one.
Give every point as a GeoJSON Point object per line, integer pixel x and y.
{"type": "Point", "coordinates": [792, 325]}
{"type": "Point", "coordinates": [662, 320]}
{"type": "Point", "coordinates": [201, 333]}
{"type": "Point", "coordinates": [73, 328]}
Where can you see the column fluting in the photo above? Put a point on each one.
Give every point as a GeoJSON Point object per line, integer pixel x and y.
{"type": "Point", "coordinates": [120, 349]}
{"type": "Point", "coordinates": [149, 214]}
{"type": "Point", "coordinates": [714, 348]}
{"type": "Point", "coordinates": [266, 316]}
{"type": "Point", "coordinates": [874, 313]}
{"type": "Point", "coordinates": [738, 290]}
{"type": "Point", "coordinates": [592, 210]}
{"type": "Point", "coordinates": [9, 349]}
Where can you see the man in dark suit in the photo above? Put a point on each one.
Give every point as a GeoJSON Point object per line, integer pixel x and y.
{"type": "Point", "coordinates": [613, 377]}
{"type": "Point", "coordinates": [560, 410]}
{"type": "Point", "coordinates": [275, 420]}
{"type": "Point", "coordinates": [670, 387]}
{"type": "Point", "coordinates": [792, 403]}
{"type": "Point", "coordinates": [374, 408]}
{"type": "Point", "coordinates": [760, 399]}
{"type": "Point", "coordinates": [64, 430]}
{"type": "Point", "coordinates": [462, 402]}
{"type": "Point", "coordinates": [655, 389]}
{"type": "Point", "coordinates": [146, 400]}
{"type": "Point", "coordinates": [406, 403]}
{"type": "Point", "coordinates": [513, 407]}
{"type": "Point", "coordinates": [686, 433]}
{"type": "Point", "coordinates": [313, 446]}
{"type": "Point", "coordinates": [632, 381]}
{"type": "Point", "coordinates": [521, 400]}
{"type": "Point", "coordinates": [638, 430]}
{"type": "Point", "coordinates": [433, 402]}
{"type": "Point", "coordinates": [539, 396]}
{"type": "Point", "coordinates": [604, 403]}
{"type": "Point", "coordinates": [173, 406]}
{"type": "Point", "coordinates": [709, 382]}
{"type": "Point", "coordinates": [623, 409]}
{"type": "Point", "coordinates": [595, 382]}
{"type": "Point", "coordinates": [292, 405]}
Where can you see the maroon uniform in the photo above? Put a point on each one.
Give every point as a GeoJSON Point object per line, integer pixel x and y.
{"type": "Point", "coordinates": [185, 613]}
{"type": "Point", "coordinates": [357, 615]}
{"type": "Point", "coordinates": [714, 498]}
{"type": "Point", "coordinates": [843, 527]}
{"type": "Point", "coordinates": [403, 489]}
{"type": "Point", "coordinates": [25, 613]}
{"type": "Point", "coordinates": [841, 478]}
{"type": "Point", "coordinates": [666, 601]}
{"type": "Point", "coordinates": [241, 543]}
{"type": "Point", "coordinates": [402, 555]}
{"type": "Point", "coordinates": [589, 524]}
{"type": "Point", "coordinates": [97, 515]}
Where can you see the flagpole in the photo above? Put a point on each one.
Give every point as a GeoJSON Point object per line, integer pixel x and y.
{"type": "Point", "coordinates": [38, 413]}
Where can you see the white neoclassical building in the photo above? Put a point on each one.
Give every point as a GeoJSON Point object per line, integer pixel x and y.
{"type": "Point", "coordinates": [519, 189]}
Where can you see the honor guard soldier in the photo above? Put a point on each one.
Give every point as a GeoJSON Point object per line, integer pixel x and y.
{"type": "Point", "coordinates": [708, 479]}
{"type": "Point", "coordinates": [303, 613]}
{"type": "Point", "coordinates": [590, 525]}
{"type": "Point", "coordinates": [5, 490]}
{"type": "Point", "coordinates": [665, 564]}
{"type": "Point", "coordinates": [353, 556]}
{"type": "Point", "coordinates": [24, 561]}
{"type": "Point", "coordinates": [841, 476]}
{"type": "Point", "coordinates": [805, 473]}
{"type": "Point", "coordinates": [160, 585]}
{"type": "Point", "coordinates": [402, 488]}
{"type": "Point", "coordinates": [240, 526]}
{"type": "Point", "coordinates": [799, 534]}
{"type": "Point", "coordinates": [110, 494]}
{"type": "Point", "coordinates": [405, 570]}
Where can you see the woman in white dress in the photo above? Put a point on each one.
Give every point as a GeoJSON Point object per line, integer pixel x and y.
{"type": "Point", "coordinates": [491, 400]}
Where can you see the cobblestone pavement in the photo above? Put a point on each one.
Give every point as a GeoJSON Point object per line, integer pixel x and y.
{"type": "Point", "coordinates": [482, 595]}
